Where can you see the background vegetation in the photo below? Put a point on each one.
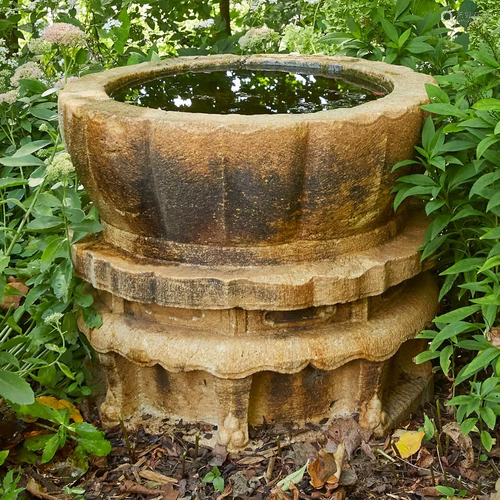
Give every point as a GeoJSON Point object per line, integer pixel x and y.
{"type": "Point", "coordinates": [43, 209]}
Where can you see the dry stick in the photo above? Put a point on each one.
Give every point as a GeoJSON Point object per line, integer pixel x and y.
{"type": "Point", "coordinates": [183, 470]}
{"type": "Point", "coordinates": [438, 410]}
{"type": "Point", "coordinates": [196, 445]}
{"type": "Point", "coordinates": [270, 468]}
{"type": "Point", "coordinates": [431, 469]}
{"type": "Point", "coordinates": [131, 451]}
{"type": "Point", "coordinates": [278, 444]}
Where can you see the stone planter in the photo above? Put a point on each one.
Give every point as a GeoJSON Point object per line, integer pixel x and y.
{"type": "Point", "coordinates": [247, 258]}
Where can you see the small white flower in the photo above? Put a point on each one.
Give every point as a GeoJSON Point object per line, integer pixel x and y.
{"type": "Point", "coordinates": [110, 24]}
{"type": "Point", "coordinates": [26, 70]}
{"type": "Point", "coordinates": [207, 23]}
{"type": "Point", "coordinates": [53, 319]}
{"type": "Point", "coordinates": [31, 5]}
{"type": "Point", "coordinates": [64, 34]}
{"type": "Point", "coordinates": [60, 167]}
{"type": "Point", "coordinates": [312, 2]}
{"type": "Point", "coordinates": [9, 97]}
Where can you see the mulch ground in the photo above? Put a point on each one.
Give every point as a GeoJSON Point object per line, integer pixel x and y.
{"type": "Point", "coordinates": [169, 466]}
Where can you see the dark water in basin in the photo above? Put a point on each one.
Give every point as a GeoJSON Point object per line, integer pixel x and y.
{"type": "Point", "coordinates": [246, 92]}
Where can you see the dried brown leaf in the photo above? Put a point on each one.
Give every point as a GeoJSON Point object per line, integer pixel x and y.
{"type": "Point", "coordinates": [157, 477]}
{"type": "Point", "coordinates": [494, 336]}
{"type": "Point", "coordinates": [349, 432]}
{"type": "Point", "coordinates": [452, 429]}
{"type": "Point", "coordinates": [327, 467]}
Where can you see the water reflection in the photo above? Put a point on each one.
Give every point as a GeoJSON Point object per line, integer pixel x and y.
{"type": "Point", "coordinates": [245, 92]}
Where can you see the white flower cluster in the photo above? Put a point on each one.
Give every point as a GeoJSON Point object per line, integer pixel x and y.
{"type": "Point", "coordinates": [9, 97]}
{"type": "Point", "coordinates": [39, 46]}
{"type": "Point", "coordinates": [53, 319]}
{"type": "Point", "coordinates": [208, 23]}
{"type": "Point", "coordinates": [256, 37]}
{"type": "Point", "coordinates": [60, 167]}
{"type": "Point", "coordinates": [64, 34]}
{"type": "Point", "coordinates": [26, 70]}
{"type": "Point", "coordinates": [3, 52]}
{"type": "Point", "coordinates": [110, 24]}
{"type": "Point", "coordinates": [32, 5]}
{"type": "Point", "coordinates": [312, 2]}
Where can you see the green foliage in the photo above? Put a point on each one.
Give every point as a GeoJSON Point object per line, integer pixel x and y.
{"type": "Point", "coordinates": [8, 487]}
{"type": "Point", "coordinates": [215, 478]}
{"type": "Point", "coordinates": [84, 435]}
{"type": "Point", "coordinates": [460, 156]}
{"type": "Point", "coordinates": [450, 492]}
{"type": "Point", "coordinates": [420, 42]}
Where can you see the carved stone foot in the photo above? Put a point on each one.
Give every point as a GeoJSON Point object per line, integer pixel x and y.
{"type": "Point", "coordinates": [233, 399]}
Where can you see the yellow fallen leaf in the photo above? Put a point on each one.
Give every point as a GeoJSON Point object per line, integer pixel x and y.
{"type": "Point", "coordinates": [409, 443]}
{"type": "Point", "coordinates": [58, 404]}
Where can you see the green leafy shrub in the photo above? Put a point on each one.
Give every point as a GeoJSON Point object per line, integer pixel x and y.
{"type": "Point", "coordinates": [460, 153]}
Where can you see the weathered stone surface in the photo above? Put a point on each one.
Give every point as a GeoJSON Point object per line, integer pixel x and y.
{"type": "Point", "coordinates": [252, 267]}
{"type": "Point", "coordinates": [234, 367]}
{"type": "Point", "coordinates": [282, 287]}
{"type": "Point", "coordinates": [267, 189]}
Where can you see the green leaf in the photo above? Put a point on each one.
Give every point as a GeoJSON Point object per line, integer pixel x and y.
{"type": "Point", "coordinates": [50, 253]}
{"type": "Point", "coordinates": [294, 477]}
{"type": "Point", "coordinates": [39, 410]}
{"type": "Point", "coordinates": [428, 428]}
{"type": "Point", "coordinates": [484, 181]}
{"type": "Point", "coordinates": [7, 358]}
{"type": "Point", "coordinates": [485, 144]}
{"type": "Point", "coordinates": [464, 265]}
{"type": "Point", "coordinates": [218, 484]}
{"type": "Point", "coordinates": [467, 425]}
{"type": "Point", "coordinates": [401, 6]}
{"type": "Point", "coordinates": [43, 114]}
{"type": "Point", "coordinates": [418, 180]}
{"type": "Point", "coordinates": [8, 182]}
{"type": "Point", "coordinates": [412, 191]}
{"type": "Point", "coordinates": [449, 331]}
{"type": "Point", "coordinates": [65, 369]}
{"type": "Point", "coordinates": [436, 94]}
{"type": "Point", "coordinates": [433, 205]}
{"type": "Point", "coordinates": [488, 417]}
{"type": "Point", "coordinates": [3, 456]}
{"type": "Point", "coordinates": [209, 477]}
{"type": "Point", "coordinates": [425, 356]}
{"type": "Point", "coordinates": [445, 490]}
{"type": "Point", "coordinates": [494, 201]}
{"type": "Point", "coordinates": [30, 148]}
{"type": "Point", "coordinates": [38, 442]}
{"type": "Point", "coordinates": [487, 105]}
{"type": "Point", "coordinates": [98, 447]}
{"type": "Point", "coordinates": [45, 222]}
{"type": "Point", "coordinates": [390, 30]}
{"type": "Point", "coordinates": [443, 109]}
{"type": "Point", "coordinates": [21, 161]}
{"type": "Point", "coordinates": [457, 314]}
{"type": "Point", "coordinates": [433, 246]}
{"type": "Point", "coordinates": [50, 449]}
{"type": "Point", "coordinates": [480, 362]}
{"type": "Point", "coordinates": [87, 431]}
{"type": "Point", "coordinates": [15, 389]}
{"type": "Point", "coordinates": [486, 440]}
{"type": "Point", "coordinates": [492, 262]}
{"type": "Point", "coordinates": [492, 234]}
{"type": "Point", "coordinates": [445, 359]}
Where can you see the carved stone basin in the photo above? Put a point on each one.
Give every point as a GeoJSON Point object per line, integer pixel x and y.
{"type": "Point", "coordinates": [251, 267]}
{"type": "Point", "coordinates": [244, 190]}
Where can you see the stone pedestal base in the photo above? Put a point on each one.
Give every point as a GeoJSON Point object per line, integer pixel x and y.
{"type": "Point", "coordinates": [233, 367]}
